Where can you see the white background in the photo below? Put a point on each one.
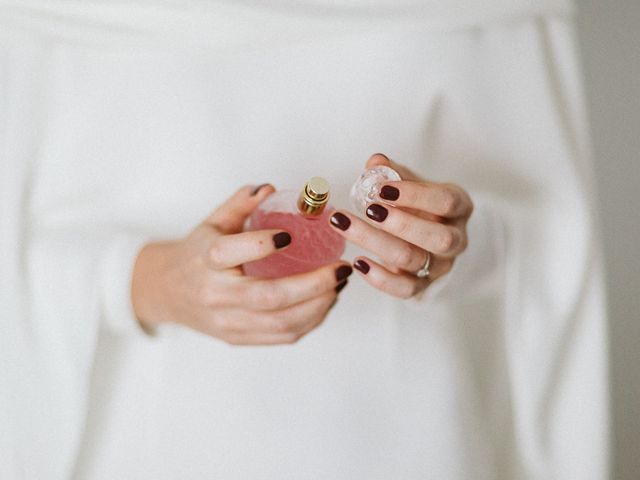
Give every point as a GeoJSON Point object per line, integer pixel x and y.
{"type": "Point", "coordinates": [610, 39]}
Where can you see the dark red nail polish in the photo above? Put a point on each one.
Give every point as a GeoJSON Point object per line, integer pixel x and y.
{"type": "Point", "coordinates": [343, 272]}
{"type": "Point", "coordinates": [257, 189]}
{"type": "Point", "coordinates": [389, 193]}
{"type": "Point", "coordinates": [340, 286]}
{"type": "Point", "coordinates": [377, 212]}
{"type": "Point", "coordinates": [281, 240]}
{"type": "Point", "coordinates": [340, 220]}
{"type": "Point", "coordinates": [361, 266]}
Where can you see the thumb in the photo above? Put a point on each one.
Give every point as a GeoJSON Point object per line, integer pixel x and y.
{"type": "Point", "coordinates": [229, 217]}
{"type": "Point", "coordinates": [378, 159]}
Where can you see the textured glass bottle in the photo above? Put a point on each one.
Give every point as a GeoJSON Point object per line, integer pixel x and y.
{"type": "Point", "coordinates": [306, 217]}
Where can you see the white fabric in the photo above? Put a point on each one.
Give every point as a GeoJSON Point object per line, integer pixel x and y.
{"type": "Point", "coordinates": [122, 122]}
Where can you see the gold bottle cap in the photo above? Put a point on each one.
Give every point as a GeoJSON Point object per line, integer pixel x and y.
{"type": "Point", "coordinates": [314, 197]}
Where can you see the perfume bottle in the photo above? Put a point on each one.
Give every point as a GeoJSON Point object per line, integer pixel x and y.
{"type": "Point", "coordinates": [306, 217]}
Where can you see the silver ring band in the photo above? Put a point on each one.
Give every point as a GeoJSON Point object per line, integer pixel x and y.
{"type": "Point", "coordinates": [424, 271]}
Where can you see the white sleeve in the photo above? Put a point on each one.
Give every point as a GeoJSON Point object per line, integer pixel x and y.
{"type": "Point", "coordinates": [59, 286]}
{"type": "Point", "coordinates": [76, 283]}
{"type": "Point", "coordinates": [516, 127]}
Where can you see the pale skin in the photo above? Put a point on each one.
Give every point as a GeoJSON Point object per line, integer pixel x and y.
{"type": "Point", "coordinates": [425, 217]}
{"type": "Point", "coordinates": [198, 281]}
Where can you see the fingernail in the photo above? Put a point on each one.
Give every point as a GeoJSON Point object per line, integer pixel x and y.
{"type": "Point", "coordinates": [281, 240]}
{"type": "Point", "coordinates": [361, 266]}
{"type": "Point", "coordinates": [340, 220]}
{"type": "Point", "coordinates": [340, 286]}
{"type": "Point", "coordinates": [257, 189]}
{"type": "Point", "coordinates": [381, 154]}
{"type": "Point", "coordinates": [377, 212]}
{"type": "Point", "coordinates": [343, 272]}
{"type": "Point", "coordinates": [389, 193]}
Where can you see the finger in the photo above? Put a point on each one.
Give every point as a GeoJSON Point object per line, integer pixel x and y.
{"type": "Point", "coordinates": [402, 285]}
{"type": "Point", "coordinates": [278, 294]}
{"type": "Point", "coordinates": [432, 236]}
{"type": "Point", "coordinates": [231, 215]}
{"type": "Point", "coordinates": [378, 159]}
{"type": "Point", "coordinates": [444, 200]}
{"type": "Point", "coordinates": [391, 249]}
{"type": "Point", "coordinates": [259, 339]}
{"type": "Point", "coordinates": [295, 319]}
{"type": "Point", "coordinates": [303, 317]}
{"type": "Point", "coordinates": [227, 251]}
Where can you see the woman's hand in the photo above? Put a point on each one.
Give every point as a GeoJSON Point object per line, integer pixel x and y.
{"type": "Point", "coordinates": [198, 282]}
{"type": "Point", "coordinates": [417, 218]}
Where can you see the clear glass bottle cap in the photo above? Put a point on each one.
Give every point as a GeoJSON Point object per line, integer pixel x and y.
{"type": "Point", "coordinates": [367, 187]}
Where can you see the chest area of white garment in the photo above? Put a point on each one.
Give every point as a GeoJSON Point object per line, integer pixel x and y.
{"type": "Point", "coordinates": [138, 133]}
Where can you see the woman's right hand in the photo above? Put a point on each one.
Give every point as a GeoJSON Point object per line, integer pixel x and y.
{"type": "Point", "coordinates": [198, 281]}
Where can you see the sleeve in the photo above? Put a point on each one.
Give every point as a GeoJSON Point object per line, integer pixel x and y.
{"type": "Point", "coordinates": [59, 286]}
{"type": "Point", "coordinates": [512, 129]}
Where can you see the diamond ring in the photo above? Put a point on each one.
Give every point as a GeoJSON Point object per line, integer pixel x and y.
{"type": "Point", "coordinates": [424, 271]}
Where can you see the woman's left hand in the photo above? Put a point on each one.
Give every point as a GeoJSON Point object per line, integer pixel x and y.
{"type": "Point", "coordinates": [416, 222]}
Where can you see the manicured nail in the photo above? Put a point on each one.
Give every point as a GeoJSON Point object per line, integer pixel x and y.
{"type": "Point", "coordinates": [389, 193]}
{"type": "Point", "coordinates": [257, 189]}
{"type": "Point", "coordinates": [361, 266]}
{"type": "Point", "coordinates": [340, 286]}
{"type": "Point", "coordinates": [340, 220]}
{"type": "Point", "coordinates": [343, 272]}
{"type": "Point", "coordinates": [281, 240]}
{"type": "Point", "coordinates": [377, 212]}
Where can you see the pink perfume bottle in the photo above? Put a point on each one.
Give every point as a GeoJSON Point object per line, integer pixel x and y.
{"type": "Point", "coordinates": [306, 217]}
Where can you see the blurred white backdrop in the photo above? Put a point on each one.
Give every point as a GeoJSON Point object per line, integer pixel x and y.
{"type": "Point", "coordinates": [610, 37]}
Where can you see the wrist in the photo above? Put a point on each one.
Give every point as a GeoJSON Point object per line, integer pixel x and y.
{"type": "Point", "coordinates": [149, 294]}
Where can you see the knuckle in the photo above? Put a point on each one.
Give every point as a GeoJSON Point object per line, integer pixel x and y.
{"type": "Point", "coordinates": [270, 298]}
{"type": "Point", "coordinates": [464, 203]}
{"type": "Point", "coordinates": [446, 241]}
{"type": "Point", "coordinates": [402, 225]}
{"type": "Point", "coordinates": [276, 299]}
{"type": "Point", "coordinates": [256, 297]}
{"type": "Point", "coordinates": [450, 202]}
{"type": "Point", "coordinates": [404, 257]}
{"type": "Point", "coordinates": [216, 254]}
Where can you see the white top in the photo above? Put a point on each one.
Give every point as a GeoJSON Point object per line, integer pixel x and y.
{"type": "Point", "coordinates": [122, 122]}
